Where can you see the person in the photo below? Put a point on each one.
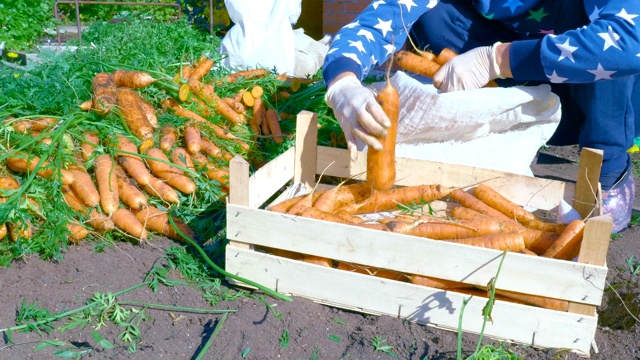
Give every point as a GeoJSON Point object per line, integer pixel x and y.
{"type": "Point", "coordinates": [588, 51]}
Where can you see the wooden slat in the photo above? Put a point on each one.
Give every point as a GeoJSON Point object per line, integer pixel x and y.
{"type": "Point", "coordinates": [515, 322]}
{"type": "Point", "coordinates": [267, 180]}
{"type": "Point", "coordinates": [593, 250]}
{"type": "Point", "coordinates": [587, 183]}
{"type": "Point", "coordinates": [409, 254]}
{"type": "Point", "coordinates": [306, 149]}
{"type": "Point", "coordinates": [239, 190]}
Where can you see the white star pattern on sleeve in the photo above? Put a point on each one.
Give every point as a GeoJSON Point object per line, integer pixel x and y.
{"type": "Point", "coordinates": [407, 3]}
{"type": "Point", "coordinates": [384, 26]}
{"type": "Point", "coordinates": [566, 51]}
{"type": "Point", "coordinates": [610, 39]}
{"type": "Point", "coordinates": [352, 25]}
{"type": "Point", "coordinates": [554, 78]}
{"type": "Point", "coordinates": [366, 33]}
{"type": "Point", "coordinates": [353, 57]}
{"type": "Point", "coordinates": [390, 49]}
{"type": "Point", "coordinates": [432, 3]}
{"type": "Point", "coordinates": [629, 17]}
{"type": "Point", "coordinates": [595, 14]}
{"type": "Point", "coordinates": [601, 73]}
{"type": "Point", "coordinates": [357, 45]}
{"type": "Point", "coordinates": [377, 3]}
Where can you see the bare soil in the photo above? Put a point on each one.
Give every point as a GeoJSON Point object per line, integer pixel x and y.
{"type": "Point", "coordinates": [314, 331]}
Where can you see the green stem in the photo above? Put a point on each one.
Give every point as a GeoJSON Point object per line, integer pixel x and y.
{"type": "Point", "coordinates": [206, 258]}
{"type": "Point", "coordinates": [71, 312]}
{"type": "Point", "coordinates": [175, 308]}
{"type": "Point", "coordinates": [207, 345]}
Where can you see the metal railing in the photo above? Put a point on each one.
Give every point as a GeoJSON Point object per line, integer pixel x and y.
{"type": "Point", "coordinates": [56, 11]}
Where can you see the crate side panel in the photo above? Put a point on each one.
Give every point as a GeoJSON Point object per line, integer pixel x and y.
{"type": "Point", "coordinates": [270, 178]}
{"type": "Point", "coordinates": [531, 325]}
{"type": "Point", "coordinates": [571, 281]}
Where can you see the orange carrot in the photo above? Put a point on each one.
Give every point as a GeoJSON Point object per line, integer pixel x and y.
{"type": "Point", "coordinates": [104, 93]}
{"type": "Point", "coordinates": [86, 105]}
{"type": "Point", "coordinates": [126, 221]}
{"type": "Point", "coordinates": [202, 68]}
{"type": "Point", "coordinates": [542, 225]}
{"type": "Point", "coordinates": [88, 146]}
{"type": "Point", "coordinates": [445, 55]}
{"type": "Point", "coordinates": [169, 137]}
{"type": "Point", "coordinates": [314, 213]}
{"type": "Point", "coordinates": [567, 246]}
{"type": "Point", "coordinates": [131, 162]}
{"type": "Point", "coordinates": [20, 231]}
{"type": "Point", "coordinates": [285, 205]}
{"type": "Point", "coordinates": [494, 199]}
{"type": "Point", "coordinates": [77, 232]}
{"type": "Point", "coordinates": [381, 164]}
{"type": "Point", "coordinates": [4, 231]}
{"type": "Point", "coordinates": [173, 176]}
{"type": "Point", "coordinates": [260, 113]}
{"type": "Point", "coordinates": [502, 241]}
{"type": "Point", "coordinates": [180, 111]}
{"type": "Point", "coordinates": [130, 194]}
{"type": "Point", "coordinates": [235, 105]}
{"type": "Point", "coordinates": [161, 190]}
{"type": "Point", "coordinates": [369, 270]}
{"type": "Point", "coordinates": [246, 74]}
{"type": "Point", "coordinates": [22, 162]}
{"type": "Point", "coordinates": [209, 148]}
{"type": "Point", "coordinates": [274, 125]}
{"type": "Point", "coordinates": [540, 301]}
{"type": "Point", "coordinates": [386, 200]}
{"type": "Point", "coordinates": [455, 230]}
{"type": "Point", "coordinates": [417, 64]}
{"type": "Point", "coordinates": [317, 260]}
{"type": "Point", "coordinates": [226, 111]}
{"type": "Point", "coordinates": [149, 112]}
{"type": "Point", "coordinates": [248, 99]}
{"type": "Point", "coordinates": [98, 221]}
{"type": "Point", "coordinates": [157, 220]}
{"type": "Point", "coordinates": [107, 184]}
{"type": "Point", "coordinates": [42, 123]}
{"type": "Point", "coordinates": [130, 104]}
{"type": "Point", "coordinates": [181, 157]}
{"type": "Point", "coordinates": [193, 139]}
{"type": "Point", "coordinates": [468, 200]}
{"type": "Point", "coordinates": [132, 79]}
{"type": "Point", "coordinates": [84, 187]}
{"type": "Point", "coordinates": [146, 145]}
{"type": "Point", "coordinates": [257, 92]}
{"type": "Point", "coordinates": [157, 161]}
{"type": "Point", "coordinates": [436, 283]}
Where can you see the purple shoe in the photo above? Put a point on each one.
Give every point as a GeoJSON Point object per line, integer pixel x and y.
{"type": "Point", "coordinates": [618, 201]}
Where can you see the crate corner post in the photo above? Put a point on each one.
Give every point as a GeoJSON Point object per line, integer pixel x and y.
{"type": "Point", "coordinates": [306, 153]}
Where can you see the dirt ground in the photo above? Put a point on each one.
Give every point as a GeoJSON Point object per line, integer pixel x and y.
{"type": "Point", "coordinates": [314, 331]}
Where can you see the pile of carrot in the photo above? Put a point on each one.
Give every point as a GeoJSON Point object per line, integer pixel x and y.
{"type": "Point", "coordinates": [479, 216]}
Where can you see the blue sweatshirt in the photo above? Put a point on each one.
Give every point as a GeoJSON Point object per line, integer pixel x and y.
{"type": "Point", "coordinates": [559, 43]}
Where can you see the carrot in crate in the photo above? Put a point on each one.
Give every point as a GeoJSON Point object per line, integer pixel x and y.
{"type": "Point", "coordinates": [470, 201]}
{"type": "Point", "coordinates": [132, 79]}
{"type": "Point", "coordinates": [502, 241]}
{"type": "Point", "coordinates": [437, 283]}
{"type": "Point", "coordinates": [567, 246]}
{"type": "Point", "coordinates": [285, 205]}
{"type": "Point", "coordinates": [387, 200]}
{"type": "Point", "coordinates": [455, 230]}
{"type": "Point", "coordinates": [314, 213]}
{"type": "Point", "coordinates": [130, 104]}
{"type": "Point", "coordinates": [168, 138]}
{"type": "Point", "coordinates": [105, 93]}
{"type": "Point", "coordinates": [107, 184]}
{"type": "Point", "coordinates": [126, 221]}
{"type": "Point", "coordinates": [157, 220]}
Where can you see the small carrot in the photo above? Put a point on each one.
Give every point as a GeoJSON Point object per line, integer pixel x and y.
{"type": "Point", "coordinates": [192, 139]}
{"type": "Point", "coordinates": [130, 194]}
{"type": "Point", "coordinates": [107, 184]}
{"type": "Point", "coordinates": [77, 232]}
{"type": "Point", "coordinates": [146, 145]}
{"type": "Point", "coordinates": [89, 144]}
{"type": "Point", "coordinates": [4, 231]}
{"type": "Point", "coordinates": [132, 79]}
{"type": "Point", "coordinates": [84, 187]}
{"type": "Point", "coordinates": [494, 199]}
{"type": "Point", "coordinates": [126, 221]}
{"type": "Point", "coordinates": [131, 161]}
{"type": "Point", "coordinates": [246, 74]}
{"type": "Point", "coordinates": [470, 201]}
{"type": "Point", "coordinates": [235, 105]}
{"type": "Point", "coordinates": [248, 99]}
{"type": "Point", "coordinates": [567, 246]}
{"type": "Point", "coordinates": [157, 220]}
{"type": "Point", "coordinates": [86, 105]}
{"type": "Point", "coordinates": [372, 271]}
{"type": "Point", "coordinates": [168, 138]}
{"type": "Point", "coordinates": [42, 123]}
{"type": "Point", "coordinates": [274, 125]}
{"type": "Point", "coordinates": [181, 157]}
{"type": "Point", "coordinates": [161, 190]}
{"type": "Point", "coordinates": [202, 68]}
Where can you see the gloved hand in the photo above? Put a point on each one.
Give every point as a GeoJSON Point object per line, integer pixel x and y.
{"type": "Point", "coordinates": [358, 113]}
{"type": "Point", "coordinates": [470, 70]}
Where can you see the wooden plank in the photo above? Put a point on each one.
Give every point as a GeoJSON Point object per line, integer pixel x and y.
{"type": "Point", "coordinates": [593, 250]}
{"type": "Point", "coordinates": [270, 178]}
{"type": "Point", "coordinates": [587, 183]}
{"type": "Point", "coordinates": [514, 322]}
{"type": "Point", "coordinates": [306, 148]}
{"type": "Point", "coordinates": [538, 193]}
{"type": "Point", "coordinates": [239, 188]}
{"type": "Point", "coordinates": [571, 281]}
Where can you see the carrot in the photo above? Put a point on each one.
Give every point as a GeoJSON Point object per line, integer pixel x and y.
{"type": "Point", "coordinates": [130, 194]}
{"type": "Point", "coordinates": [107, 184]}
{"type": "Point", "coordinates": [505, 241]}
{"type": "Point", "coordinates": [160, 189]}
{"type": "Point", "coordinates": [246, 74]}
{"type": "Point", "coordinates": [130, 104]}
{"type": "Point", "coordinates": [21, 126]}
{"type": "Point", "coordinates": [185, 71]}
{"type": "Point", "coordinates": [146, 145]}
{"type": "Point", "coordinates": [183, 92]}
{"type": "Point", "coordinates": [402, 227]}
{"type": "Point", "coordinates": [86, 105]}
{"type": "Point", "coordinates": [542, 225]}
{"type": "Point", "coordinates": [202, 68]}
{"type": "Point", "coordinates": [290, 79]}
{"type": "Point", "coordinates": [445, 55]}
{"type": "Point", "coordinates": [372, 271]}
{"type": "Point", "coordinates": [193, 139]}
{"type": "Point", "coordinates": [77, 232]}
{"type": "Point", "coordinates": [318, 260]}
{"type": "Point", "coordinates": [149, 112]}
{"type": "Point", "coordinates": [426, 54]}
{"type": "Point", "coordinates": [260, 113]}
{"type": "Point", "coordinates": [416, 63]}
{"type": "Point", "coordinates": [355, 219]}
{"type": "Point", "coordinates": [285, 205]}
{"type": "Point", "coordinates": [126, 221]}
{"type": "Point", "coordinates": [209, 148]}
{"type": "Point", "coordinates": [248, 99]}
{"type": "Point", "coordinates": [157, 220]}
{"type": "Point", "coordinates": [42, 123]}
{"type": "Point", "coordinates": [274, 125]}
{"type": "Point", "coordinates": [131, 162]}
{"type": "Point", "coordinates": [132, 79]}
{"type": "Point", "coordinates": [255, 126]}
{"type": "Point", "coordinates": [169, 137]}
{"type": "Point", "coordinates": [492, 198]}
{"type": "Point", "coordinates": [84, 187]}
{"type": "Point", "coordinates": [567, 246]}
{"type": "Point", "coordinates": [257, 92]}
{"type": "Point", "coordinates": [104, 93]}
{"type": "Point", "coordinates": [314, 213]}
{"type": "Point", "coordinates": [157, 162]}
{"type": "Point", "coordinates": [173, 176]}
{"type": "Point", "coordinates": [3, 231]}
{"type": "Point", "coordinates": [386, 200]}
{"type": "Point", "coordinates": [98, 221]}
{"type": "Point", "coordinates": [455, 230]}
{"type": "Point", "coordinates": [535, 300]}
{"type": "Point", "coordinates": [181, 157]}
{"type": "Point", "coordinates": [235, 105]}
{"type": "Point", "coordinates": [8, 183]}
{"type": "Point", "coordinates": [22, 162]}
{"type": "Point", "coordinates": [20, 231]}
{"type": "Point", "coordinates": [88, 146]}
{"type": "Point", "coordinates": [470, 201]}
{"type": "Point", "coordinates": [202, 91]}
{"type": "Point", "coordinates": [219, 175]}
{"type": "Point", "coordinates": [381, 164]}
{"type": "Point", "coordinates": [436, 283]}
{"type": "Point", "coordinates": [180, 111]}
{"type": "Point", "coordinates": [342, 195]}
{"type": "Point", "coordinates": [226, 111]}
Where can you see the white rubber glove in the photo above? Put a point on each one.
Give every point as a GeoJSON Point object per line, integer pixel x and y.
{"type": "Point", "coordinates": [358, 113]}
{"type": "Point", "coordinates": [470, 70]}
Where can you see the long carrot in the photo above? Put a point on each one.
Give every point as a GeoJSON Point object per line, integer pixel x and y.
{"type": "Point", "coordinates": [455, 230]}
{"type": "Point", "coordinates": [494, 199]}
{"type": "Point", "coordinates": [314, 213]}
{"type": "Point", "coordinates": [387, 200]}
{"type": "Point", "coordinates": [540, 301]}
{"type": "Point", "coordinates": [181, 157]}
{"type": "Point", "coordinates": [84, 187]}
{"type": "Point", "coordinates": [132, 163]}
{"type": "Point", "coordinates": [188, 114]}
{"type": "Point", "coordinates": [260, 114]}
{"type": "Point", "coordinates": [130, 194]}
{"type": "Point", "coordinates": [436, 283]}
{"type": "Point", "coordinates": [274, 125]}
{"type": "Point", "coordinates": [285, 205]}
{"type": "Point", "coordinates": [107, 184]}
{"type": "Point", "coordinates": [104, 93]}
{"type": "Point", "coordinates": [342, 195]}
{"type": "Point", "coordinates": [130, 104]}
{"type": "Point", "coordinates": [567, 246]}
{"type": "Point", "coordinates": [381, 164]}
{"type": "Point", "coordinates": [470, 201]}
{"type": "Point", "coordinates": [209, 148]}
{"type": "Point", "coordinates": [98, 221]}
{"type": "Point", "coordinates": [22, 162]}
{"type": "Point", "coordinates": [157, 220]}
{"type": "Point", "coordinates": [132, 79]}
{"type": "Point", "coordinates": [235, 105]}
{"type": "Point", "coordinates": [202, 68]}
{"type": "Point", "coordinates": [89, 144]}
{"type": "Point", "coordinates": [226, 111]}
{"type": "Point", "coordinates": [506, 241]}
{"type": "Point", "coordinates": [246, 74]}
{"type": "Point", "coordinates": [126, 221]}
{"type": "Point", "coordinates": [369, 270]}
{"type": "Point", "coordinates": [160, 189]}
{"type": "Point", "coordinates": [173, 176]}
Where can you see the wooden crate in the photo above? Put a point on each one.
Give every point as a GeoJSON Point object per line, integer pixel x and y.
{"type": "Point", "coordinates": [248, 224]}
